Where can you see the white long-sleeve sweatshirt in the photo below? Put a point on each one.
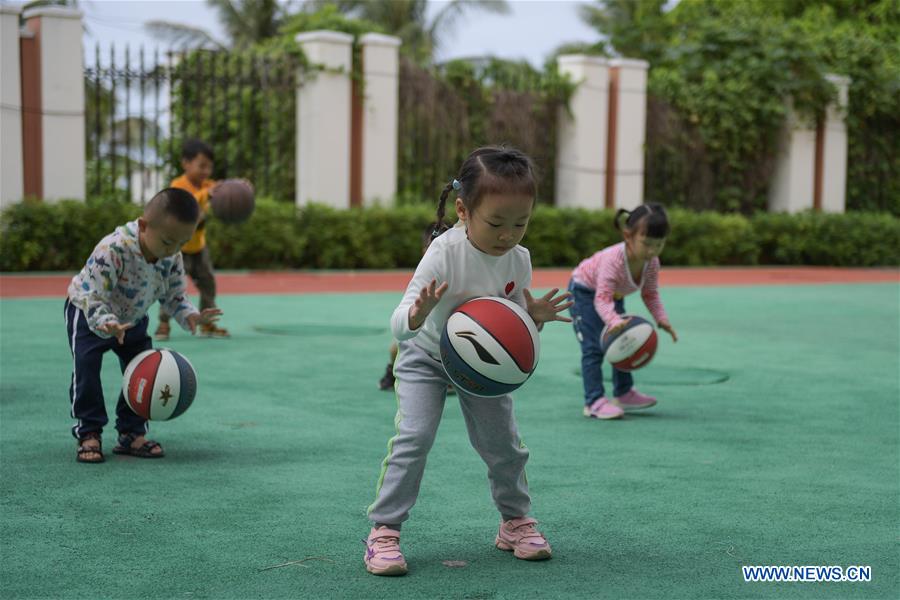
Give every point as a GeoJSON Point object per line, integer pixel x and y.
{"type": "Point", "coordinates": [469, 273]}
{"type": "Point", "coordinates": [118, 284]}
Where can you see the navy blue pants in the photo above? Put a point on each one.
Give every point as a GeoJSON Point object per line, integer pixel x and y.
{"type": "Point", "coordinates": [588, 325]}
{"type": "Point", "coordinates": [86, 389]}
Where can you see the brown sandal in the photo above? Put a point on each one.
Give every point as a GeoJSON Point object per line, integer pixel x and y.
{"type": "Point", "coordinates": [83, 450]}
{"type": "Point", "coordinates": [144, 451]}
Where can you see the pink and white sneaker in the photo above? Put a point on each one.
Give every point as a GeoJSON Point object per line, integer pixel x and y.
{"type": "Point", "coordinates": [634, 400]}
{"type": "Point", "coordinates": [602, 408]}
{"type": "Point", "coordinates": [521, 537]}
{"type": "Point", "coordinates": [383, 556]}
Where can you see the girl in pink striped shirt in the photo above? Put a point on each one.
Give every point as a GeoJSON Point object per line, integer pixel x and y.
{"type": "Point", "coordinates": [599, 285]}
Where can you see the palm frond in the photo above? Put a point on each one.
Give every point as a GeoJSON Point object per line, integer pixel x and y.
{"type": "Point", "coordinates": [181, 35]}
{"type": "Point", "coordinates": [445, 21]}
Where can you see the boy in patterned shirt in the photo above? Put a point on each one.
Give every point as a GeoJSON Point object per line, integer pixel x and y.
{"type": "Point", "coordinates": [106, 309]}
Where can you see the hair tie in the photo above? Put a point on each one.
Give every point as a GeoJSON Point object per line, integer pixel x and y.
{"type": "Point", "coordinates": [456, 185]}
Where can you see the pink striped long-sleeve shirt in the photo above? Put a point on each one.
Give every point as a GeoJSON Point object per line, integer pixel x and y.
{"type": "Point", "coordinates": [607, 273]}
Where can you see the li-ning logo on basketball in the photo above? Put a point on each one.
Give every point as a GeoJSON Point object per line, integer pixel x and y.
{"type": "Point", "coordinates": [165, 395]}
{"type": "Point", "coordinates": [470, 384]}
{"type": "Point", "coordinates": [483, 354]}
{"type": "Point", "coordinates": [459, 376]}
{"type": "Point", "coordinates": [628, 343]}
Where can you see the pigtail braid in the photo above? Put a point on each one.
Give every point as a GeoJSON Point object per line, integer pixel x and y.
{"type": "Point", "coordinates": [618, 216]}
{"type": "Point", "coordinates": [439, 225]}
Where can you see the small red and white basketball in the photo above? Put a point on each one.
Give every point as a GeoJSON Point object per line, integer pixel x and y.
{"type": "Point", "coordinates": [159, 384]}
{"type": "Point", "coordinates": [631, 347]}
{"type": "Point", "coordinates": [489, 346]}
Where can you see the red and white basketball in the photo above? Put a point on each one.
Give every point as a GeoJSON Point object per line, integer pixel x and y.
{"type": "Point", "coordinates": [632, 347]}
{"type": "Point", "coordinates": [159, 384]}
{"type": "Point", "coordinates": [489, 346]}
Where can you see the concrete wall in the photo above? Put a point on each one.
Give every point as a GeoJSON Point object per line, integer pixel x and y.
{"type": "Point", "coordinates": [793, 186]}
{"type": "Point", "coordinates": [323, 121]}
{"type": "Point", "coordinates": [381, 74]}
{"type": "Point", "coordinates": [581, 150]}
{"type": "Point", "coordinates": [11, 166]}
{"type": "Point", "coordinates": [834, 175]}
{"type": "Point", "coordinates": [62, 101]}
{"type": "Point", "coordinates": [631, 133]}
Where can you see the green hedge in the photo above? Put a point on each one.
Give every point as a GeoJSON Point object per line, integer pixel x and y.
{"type": "Point", "coordinates": [36, 236]}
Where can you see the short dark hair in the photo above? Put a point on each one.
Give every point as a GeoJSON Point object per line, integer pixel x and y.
{"type": "Point", "coordinates": [174, 202]}
{"type": "Point", "coordinates": [651, 219]}
{"type": "Point", "coordinates": [192, 147]}
{"type": "Point", "coordinates": [491, 170]}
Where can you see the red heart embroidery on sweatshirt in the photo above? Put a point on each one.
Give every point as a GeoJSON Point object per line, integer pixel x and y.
{"type": "Point", "coordinates": [510, 286]}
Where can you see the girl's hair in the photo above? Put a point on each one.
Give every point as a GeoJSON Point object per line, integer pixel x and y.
{"type": "Point", "coordinates": [489, 170]}
{"type": "Point", "coordinates": [431, 231]}
{"type": "Point", "coordinates": [649, 218]}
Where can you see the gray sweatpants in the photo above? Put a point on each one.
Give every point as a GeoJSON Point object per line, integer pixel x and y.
{"type": "Point", "coordinates": [421, 390]}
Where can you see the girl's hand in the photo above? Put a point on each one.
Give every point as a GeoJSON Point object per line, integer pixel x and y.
{"type": "Point", "coordinates": [425, 303]}
{"type": "Point", "coordinates": [207, 316]}
{"type": "Point", "coordinates": [618, 327]}
{"type": "Point", "coordinates": [114, 328]}
{"type": "Point", "coordinates": [547, 307]}
{"type": "Point", "coordinates": [665, 326]}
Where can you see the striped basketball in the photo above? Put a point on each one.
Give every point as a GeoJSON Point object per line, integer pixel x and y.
{"type": "Point", "coordinates": [159, 384]}
{"type": "Point", "coordinates": [489, 346]}
{"type": "Point", "coordinates": [631, 347]}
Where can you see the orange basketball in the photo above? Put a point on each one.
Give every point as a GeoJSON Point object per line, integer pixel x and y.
{"type": "Point", "coordinates": [232, 201]}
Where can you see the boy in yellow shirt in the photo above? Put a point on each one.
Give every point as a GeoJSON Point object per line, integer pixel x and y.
{"type": "Point", "coordinates": [197, 162]}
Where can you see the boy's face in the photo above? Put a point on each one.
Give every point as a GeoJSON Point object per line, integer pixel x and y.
{"type": "Point", "coordinates": [197, 169]}
{"type": "Point", "coordinates": [498, 223]}
{"type": "Point", "coordinates": [165, 238]}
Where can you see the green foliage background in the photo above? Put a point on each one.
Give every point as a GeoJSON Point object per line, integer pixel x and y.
{"type": "Point", "coordinates": [720, 74]}
{"type": "Point", "coordinates": [36, 236]}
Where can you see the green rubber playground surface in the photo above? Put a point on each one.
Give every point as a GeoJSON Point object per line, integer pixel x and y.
{"type": "Point", "coordinates": [776, 442]}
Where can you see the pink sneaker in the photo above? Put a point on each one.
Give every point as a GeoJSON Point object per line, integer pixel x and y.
{"type": "Point", "coordinates": [383, 556]}
{"type": "Point", "coordinates": [602, 408]}
{"type": "Point", "coordinates": [520, 536]}
{"type": "Point", "coordinates": [634, 400]}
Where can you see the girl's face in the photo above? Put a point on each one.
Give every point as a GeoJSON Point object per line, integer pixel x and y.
{"type": "Point", "coordinates": [498, 223]}
{"type": "Point", "coordinates": [641, 247]}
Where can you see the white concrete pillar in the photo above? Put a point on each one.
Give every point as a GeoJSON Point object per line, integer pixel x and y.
{"type": "Point", "coordinates": [12, 186]}
{"type": "Point", "coordinates": [631, 129]}
{"type": "Point", "coordinates": [323, 120]}
{"type": "Point", "coordinates": [794, 178]}
{"type": "Point", "coordinates": [581, 147]}
{"type": "Point", "coordinates": [59, 33]}
{"type": "Point", "coordinates": [381, 74]}
{"type": "Point", "coordinates": [834, 164]}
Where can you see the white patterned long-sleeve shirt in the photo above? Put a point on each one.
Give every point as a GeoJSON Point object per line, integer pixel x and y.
{"type": "Point", "coordinates": [118, 284]}
{"type": "Point", "coordinates": [469, 272]}
{"type": "Point", "coordinates": [607, 273]}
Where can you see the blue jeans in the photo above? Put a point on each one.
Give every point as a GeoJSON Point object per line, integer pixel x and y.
{"type": "Point", "coordinates": [588, 325]}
